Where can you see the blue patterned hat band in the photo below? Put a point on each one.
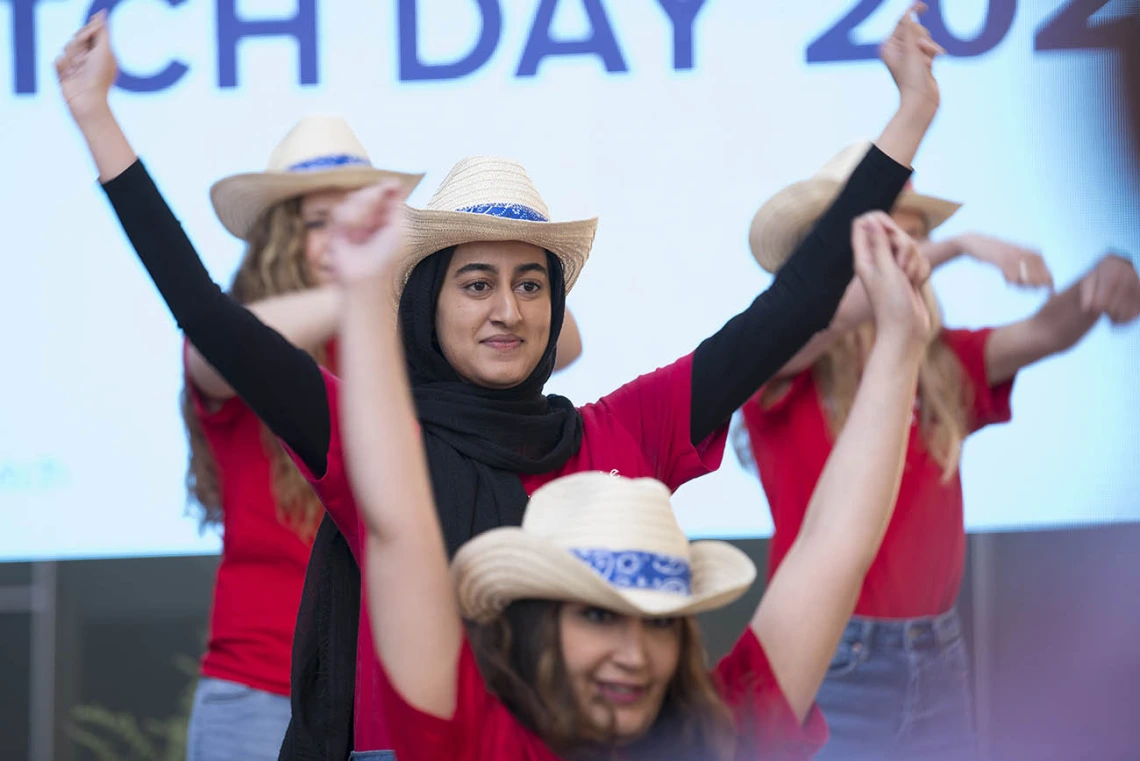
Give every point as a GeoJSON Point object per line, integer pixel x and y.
{"type": "Point", "coordinates": [334, 161]}
{"type": "Point", "coordinates": [634, 569]}
{"type": "Point", "coordinates": [507, 211]}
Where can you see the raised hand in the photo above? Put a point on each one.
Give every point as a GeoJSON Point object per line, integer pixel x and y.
{"type": "Point", "coordinates": [1112, 288]}
{"type": "Point", "coordinates": [367, 230]}
{"type": "Point", "coordinates": [909, 55]}
{"type": "Point", "coordinates": [896, 303]}
{"type": "Point", "coordinates": [1019, 265]}
{"type": "Point", "coordinates": [86, 68]}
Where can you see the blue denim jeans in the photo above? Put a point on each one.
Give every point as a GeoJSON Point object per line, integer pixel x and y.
{"type": "Point", "coordinates": [232, 722]}
{"type": "Point", "coordinates": [899, 690]}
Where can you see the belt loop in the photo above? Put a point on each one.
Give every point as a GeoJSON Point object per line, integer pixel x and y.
{"type": "Point", "coordinates": [868, 633]}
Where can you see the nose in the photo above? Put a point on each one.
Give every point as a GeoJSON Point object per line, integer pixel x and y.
{"type": "Point", "coordinates": [630, 652]}
{"type": "Point", "coordinates": [506, 308]}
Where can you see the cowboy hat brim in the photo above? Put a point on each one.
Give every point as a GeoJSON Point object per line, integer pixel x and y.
{"type": "Point", "coordinates": [507, 564]}
{"type": "Point", "coordinates": [430, 230]}
{"type": "Point", "coordinates": [241, 198]}
{"type": "Point", "coordinates": [787, 217]}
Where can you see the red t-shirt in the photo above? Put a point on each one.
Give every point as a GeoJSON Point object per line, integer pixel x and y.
{"type": "Point", "coordinates": [263, 562]}
{"type": "Point", "coordinates": [482, 728]}
{"type": "Point", "coordinates": [919, 567]}
{"type": "Point", "coordinates": [640, 430]}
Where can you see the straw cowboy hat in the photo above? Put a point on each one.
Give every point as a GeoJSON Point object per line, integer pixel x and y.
{"type": "Point", "coordinates": [787, 217]}
{"type": "Point", "coordinates": [484, 198]}
{"type": "Point", "coordinates": [600, 540]}
{"type": "Point", "coordinates": [319, 153]}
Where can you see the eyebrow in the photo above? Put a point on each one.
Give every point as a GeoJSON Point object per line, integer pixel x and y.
{"type": "Point", "coordinates": [493, 270]}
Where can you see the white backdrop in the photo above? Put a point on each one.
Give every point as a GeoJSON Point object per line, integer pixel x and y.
{"type": "Point", "coordinates": [674, 160]}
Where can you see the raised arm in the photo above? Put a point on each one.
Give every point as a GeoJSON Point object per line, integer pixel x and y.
{"type": "Point", "coordinates": [281, 383]}
{"type": "Point", "coordinates": [1020, 266]}
{"type": "Point", "coordinates": [307, 319]}
{"type": "Point", "coordinates": [751, 348]}
{"type": "Point", "coordinates": [416, 627]}
{"type": "Point", "coordinates": [1110, 288]}
{"type": "Point", "coordinates": [812, 594]}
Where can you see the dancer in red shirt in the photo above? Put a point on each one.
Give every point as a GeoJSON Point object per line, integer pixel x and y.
{"type": "Point", "coordinates": [898, 684]}
{"type": "Point", "coordinates": [581, 641]}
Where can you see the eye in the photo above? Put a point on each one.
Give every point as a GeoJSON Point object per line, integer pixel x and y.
{"type": "Point", "coordinates": [661, 623]}
{"type": "Point", "coordinates": [530, 287]}
{"type": "Point", "coordinates": [477, 287]}
{"type": "Point", "coordinates": [598, 615]}
{"type": "Point", "coordinates": [314, 224]}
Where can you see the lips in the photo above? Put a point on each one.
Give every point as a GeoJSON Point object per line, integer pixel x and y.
{"type": "Point", "coordinates": [621, 694]}
{"type": "Point", "coordinates": [504, 342]}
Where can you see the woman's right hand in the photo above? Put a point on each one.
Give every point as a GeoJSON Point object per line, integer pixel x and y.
{"type": "Point", "coordinates": [909, 55]}
{"type": "Point", "coordinates": [367, 230]}
{"type": "Point", "coordinates": [882, 251]}
{"type": "Point", "coordinates": [87, 68]}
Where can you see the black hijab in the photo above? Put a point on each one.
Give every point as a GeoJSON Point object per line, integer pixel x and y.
{"type": "Point", "coordinates": [478, 442]}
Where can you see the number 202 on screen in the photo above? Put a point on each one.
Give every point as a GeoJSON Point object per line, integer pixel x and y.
{"type": "Point", "coordinates": [1069, 28]}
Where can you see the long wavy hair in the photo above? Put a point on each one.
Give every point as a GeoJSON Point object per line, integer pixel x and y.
{"type": "Point", "coordinates": [520, 656]}
{"type": "Point", "coordinates": [944, 396]}
{"type": "Point", "coordinates": [274, 264]}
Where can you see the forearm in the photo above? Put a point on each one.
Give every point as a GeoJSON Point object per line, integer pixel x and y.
{"type": "Point", "coordinates": [854, 498]}
{"type": "Point", "coordinates": [106, 142]}
{"type": "Point", "coordinates": [903, 134]}
{"type": "Point", "coordinates": [385, 458]}
{"type": "Point", "coordinates": [281, 383]}
{"type": "Point", "coordinates": [1056, 327]}
{"type": "Point", "coordinates": [943, 251]}
{"type": "Point", "coordinates": [415, 623]}
{"type": "Point", "coordinates": [812, 594]}
{"type": "Point", "coordinates": [307, 319]}
{"type": "Point", "coordinates": [752, 347]}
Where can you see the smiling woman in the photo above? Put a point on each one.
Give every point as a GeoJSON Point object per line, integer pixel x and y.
{"type": "Point", "coordinates": [493, 318]}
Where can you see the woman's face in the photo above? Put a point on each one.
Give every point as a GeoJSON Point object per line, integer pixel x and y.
{"type": "Point", "coordinates": [493, 314]}
{"type": "Point", "coordinates": [619, 667]}
{"type": "Point", "coordinates": [315, 210]}
{"type": "Point", "coordinates": [912, 223]}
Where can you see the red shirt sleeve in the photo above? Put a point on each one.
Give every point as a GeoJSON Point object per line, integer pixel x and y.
{"type": "Point", "coordinates": [333, 488]}
{"type": "Point", "coordinates": [480, 722]}
{"type": "Point", "coordinates": [766, 726]}
{"type": "Point", "coordinates": [655, 408]}
{"type": "Point", "coordinates": [991, 403]}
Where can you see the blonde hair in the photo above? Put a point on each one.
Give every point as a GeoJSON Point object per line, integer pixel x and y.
{"type": "Point", "coordinates": [274, 264]}
{"type": "Point", "coordinates": [944, 396]}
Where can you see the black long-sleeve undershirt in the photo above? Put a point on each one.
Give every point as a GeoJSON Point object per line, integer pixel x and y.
{"type": "Point", "coordinates": [730, 365]}
{"type": "Point", "coordinates": [283, 385]}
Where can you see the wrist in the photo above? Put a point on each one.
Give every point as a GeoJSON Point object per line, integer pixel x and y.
{"type": "Point", "coordinates": [917, 110]}
{"type": "Point", "coordinates": [901, 347]}
{"type": "Point", "coordinates": [94, 118]}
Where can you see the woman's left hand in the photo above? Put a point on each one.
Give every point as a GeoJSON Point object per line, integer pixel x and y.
{"type": "Point", "coordinates": [1020, 266]}
{"type": "Point", "coordinates": [367, 230]}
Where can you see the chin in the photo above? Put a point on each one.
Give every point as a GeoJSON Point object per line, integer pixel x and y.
{"type": "Point", "coordinates": [631, 728]}
{"type": "Point", "coordinates": [501, 377]}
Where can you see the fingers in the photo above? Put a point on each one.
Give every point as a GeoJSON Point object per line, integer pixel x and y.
{"type": "Point", "coordinates": [880, 243]}
{"type": "Point", "coordinates": [1088, 290]}
{"type": "Point", "coordinates": [364, 211]}
{"type": "Point", "coordinates": [861, 245]}
{"type": "Point", "coordinates": [929, 47]}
